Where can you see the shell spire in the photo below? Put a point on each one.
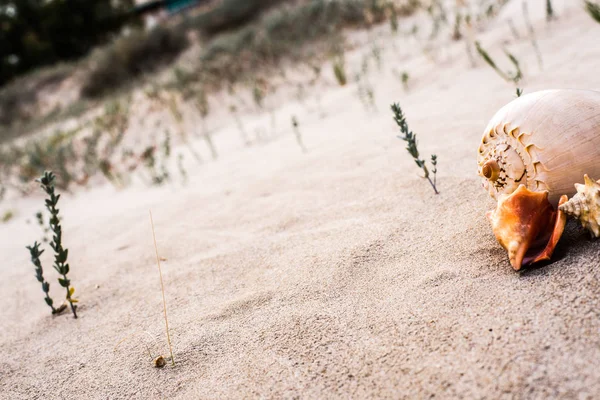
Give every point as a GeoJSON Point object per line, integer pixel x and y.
{"type": "Point", "coordinates": [585, 205]}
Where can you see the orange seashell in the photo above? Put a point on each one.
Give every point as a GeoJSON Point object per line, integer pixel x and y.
{"type": "Point", "coordinates": [527, 226]}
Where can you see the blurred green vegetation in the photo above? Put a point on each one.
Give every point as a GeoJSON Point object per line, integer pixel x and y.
{"type": "Point", "coordinates": [34, 33]}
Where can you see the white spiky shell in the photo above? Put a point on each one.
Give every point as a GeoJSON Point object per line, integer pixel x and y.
{"type": "Point", "coordinates": [585, 205]}
{"type": "Point", "coordinates": [545, 140]}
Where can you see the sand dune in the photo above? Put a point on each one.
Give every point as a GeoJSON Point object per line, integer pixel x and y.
{"type": "Point", "coordinates": [332, 274]}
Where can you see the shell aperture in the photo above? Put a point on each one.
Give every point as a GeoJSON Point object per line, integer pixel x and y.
{"type": "Point", "coordinates": [527, 226]}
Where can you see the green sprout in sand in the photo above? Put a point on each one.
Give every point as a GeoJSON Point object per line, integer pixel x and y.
{"type": "Point", "coordinates": [339, 70]}
{"type": "Point", "coordinates": [295, 126]}
{"type": "Point", "coordinates": [35, 253]}
{"type": "Point", "coordinates": [593, 9]}
{"type": "Point", "coordinates": [549, 11]}
{"type": "Point", "coordinates": [508, 76]}
{"type": "Point", "coordinates": [411, 146]}
{"type": "Point", "coordinates": [60, 254]}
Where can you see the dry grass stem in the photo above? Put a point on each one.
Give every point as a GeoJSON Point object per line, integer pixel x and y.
{"type": "Point", "coordinates": [162, 289]}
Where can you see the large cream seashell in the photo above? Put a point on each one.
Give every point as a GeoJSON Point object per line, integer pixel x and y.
{"type": "Point", "coordinates": [544, 140]}
{"type": "Point", "coordinates": [585, 205]}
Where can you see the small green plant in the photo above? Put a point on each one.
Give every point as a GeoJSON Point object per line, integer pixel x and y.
{"type": "Point", "coordinates": [593, 9]}
{"type": "Point", "coordinates": [166, 155]}
{"type": "Point", "coordinates": [519, 92]}
{"type": "Point", "coordinates": [366, 93]}
{"type": "Point", "coordinates": [148, 158]}
{"type": "Point", "coordinates": [513, 29]}
{"type": "Point", "coordinates": [376, 52]}
{"type": "Point", "coordinates": [39, 217]}
{"type": "Point", "coordinates": [411, 146]}
{"type": "Point", "coordinates": [35, 253]}
{"type": "Point", "coordinates": [296, 127]}
{"type": "Point", "coordinates": [339, 70]}
{"type": "Point", "coordinates": [60, 253]}
{"type": "Point", "coordinates": [508, 76]}
{"type": "Point", "coordinates": [233, 110]}
{"type": "Point", "coordinates": [167, 144]}
{"type": "Point", "coordinates": [456, 33]}
{"type": "Point", "coordinates": [404, 78]}
{"type": "Point", "coordinates": [181, 168]}
{"type": "Point", "coordinates": [258, 94]}
{"type": "Point", "coordinates": [204, 109]}
{"type": "Point", "coordinates": [7, 216]}
{"type": "Point", "coordinates": [549, 11]}
{"type": "Point", "coordinates": [393, 18]}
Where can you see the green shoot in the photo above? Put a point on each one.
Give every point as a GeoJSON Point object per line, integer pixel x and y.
{"type": "Point", "coordinates": [508, 76]}
{"type": "Point", "coordinates": [405, 77]}
{"type": "Point", "coordinates": [39, 217]}
{"type": "Point", "coordinates": [339, 70]}
{"type": "Point", "coordinates": [204, 108]}
{"type": "Point", "coordinates": [7, 216]}
{"type": "Point", "coordinates": [411, 139]}
{"type": "Point", "coordinates": [35, 253]}
{"type": "Point", "coordinates": [258, 95]}
{"type": "Point", "coordinates": [519, 92]}
{"type": "Point", "coordinates": [513, 29]}
{"type": "Point", "coordinates": [181, 168]}
{"type": "Point", "coordinates": [549, 11]}
{"type": "Point", "coordinates": [60, 254]}
{"type": "Point", "coordinates": [434, 171]}
{"type": "Point", "coordinates": [297, 133]}
{"type": "Point", "coordinates": [393, 18]}
{"type": "Point", "coordinates": [456, 34]}
{"type": "Point", "coordinates": [233, 110]}
{"type": "Point", "coordinates": [593, 9]}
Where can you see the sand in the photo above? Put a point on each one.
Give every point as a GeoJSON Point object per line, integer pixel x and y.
{"type": "Point", "coordinates": [331, 274]}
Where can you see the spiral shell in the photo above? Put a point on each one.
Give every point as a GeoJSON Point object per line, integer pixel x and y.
{"type": "Point", "coordinates": [585, 205]}
{"type": "Point", "coordinates": [544, 140]}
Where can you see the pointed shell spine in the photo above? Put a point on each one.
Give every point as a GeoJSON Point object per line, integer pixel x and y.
{"type": "Point", "coordinates": [585, 205]}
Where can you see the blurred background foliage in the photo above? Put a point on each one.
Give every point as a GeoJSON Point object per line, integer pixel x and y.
{"type": "Point", "coordinates": [35, 33]}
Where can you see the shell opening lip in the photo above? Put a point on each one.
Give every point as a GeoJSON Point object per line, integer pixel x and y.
{"type": "Point", "coordinates": [527, 226]}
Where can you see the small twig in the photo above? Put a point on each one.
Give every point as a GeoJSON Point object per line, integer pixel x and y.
{"type": "Point", "coordinates": [162, 288]}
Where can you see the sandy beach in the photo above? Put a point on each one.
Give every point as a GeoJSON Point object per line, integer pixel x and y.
{"type": "Point", "coordinates": [335, 273]}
